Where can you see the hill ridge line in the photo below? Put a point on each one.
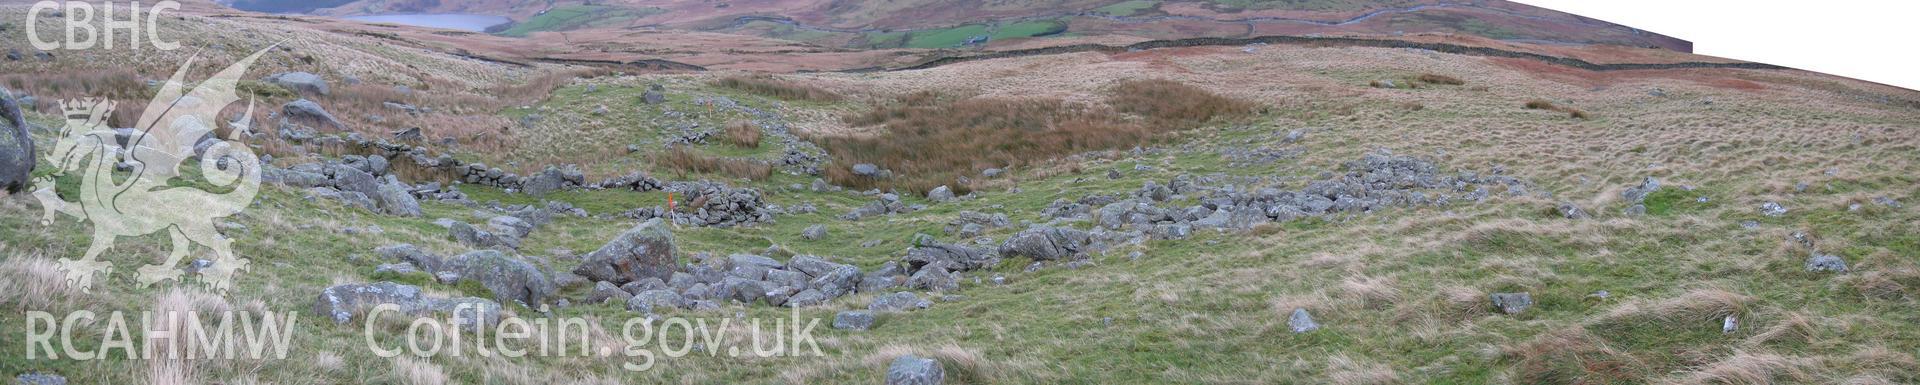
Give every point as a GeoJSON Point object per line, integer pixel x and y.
{"type": "Point", "coordinates": [1312, 40]}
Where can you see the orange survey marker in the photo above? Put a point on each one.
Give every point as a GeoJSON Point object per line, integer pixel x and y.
{"type": "Point", "coordinates": [669, 202]}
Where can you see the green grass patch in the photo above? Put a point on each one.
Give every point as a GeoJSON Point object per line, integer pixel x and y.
{"type": "Point", "coordinates": [1127, 8]}
{"type": "Point", "coordinates": [572, 17]}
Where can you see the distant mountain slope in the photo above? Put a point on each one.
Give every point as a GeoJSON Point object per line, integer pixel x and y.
{"type": "Point", "coordinates": [952, 24]}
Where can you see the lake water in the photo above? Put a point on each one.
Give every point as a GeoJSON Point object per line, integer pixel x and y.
{"type": "Point", "coordinates": [464, 22]}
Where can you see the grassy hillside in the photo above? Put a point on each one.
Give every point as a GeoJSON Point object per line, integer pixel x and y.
{"type": "Point", "coordinates": [1639, 289]}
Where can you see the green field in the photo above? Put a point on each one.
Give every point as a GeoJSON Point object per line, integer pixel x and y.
{"type": "Point", "coordinates": [572, 17]}
{"type": "Point", "coordinates": [1127, 8]}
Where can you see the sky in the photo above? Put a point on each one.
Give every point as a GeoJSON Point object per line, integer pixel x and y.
{"type": "Point", "coordinates": [1872, 40]}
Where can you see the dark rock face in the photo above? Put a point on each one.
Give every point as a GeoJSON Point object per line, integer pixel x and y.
{"type": "Point", "coordinates": [16, 146]}
{"type": "Point", "coordinates": [644, 251]}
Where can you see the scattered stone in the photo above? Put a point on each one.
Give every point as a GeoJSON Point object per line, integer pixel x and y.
{"type": "Point", "coordinates": [1301, 322]}
{"type": "Point", "coordinates": [992, 172]}
{"type": "Point", "coordinates": [911, 370]}
{"type": "Point", "coordinates": [940, 194]}
{"type": "Point", "coordinates": [648, 301]}
{"type": "Point", "coordinates": [866, 169]}
{"type": "Point", "coordinates": [396, 268]}
{"type": "Point", "coordinates": [1512, 303]}
{"type": "Point", "coordinates": [900, 301]}
{"type": "Point", "coordinates": [39, 379]}
{"type": "Point", "coordinates": [1570, 211]}
{"type": "Point", "coordinates": [853, 320]}
{"type": "Point", "coordinates": [814, 233]}
{"type": "Point", "coordinates": [1826, 263]}
{"type": "Point", "coordinates": [1772, 209]}
{"type": "Point", "coordinates": [604, 292]}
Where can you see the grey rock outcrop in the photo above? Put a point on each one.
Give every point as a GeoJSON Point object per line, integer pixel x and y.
{"type": "Point", "coordinates": [299, 82]}
{"type": "Point", "coordinates": [17, 156]}
{"type": "Point", "coordinates": [911, 370]}
{"type": "Point", "coordinates": [644, 251]}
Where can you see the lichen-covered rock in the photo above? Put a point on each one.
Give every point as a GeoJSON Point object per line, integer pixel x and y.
{"type": "Point", "coordinates": [853, 320]}
{"type": "Point", "coordinates": [1045, 243]}
{"type": "Point", "coordinates": [1512, 303]}
{"type": "Point", "coordinates": [16, 147]}
{"type": "Point", "coordinates": [911, 370]}
{"type": "Point", "coordinates": [644, 251]}
{"type": "Point", "coordinates": [342, 303]}
{"type": "Point", "coordinates": [509, 278]}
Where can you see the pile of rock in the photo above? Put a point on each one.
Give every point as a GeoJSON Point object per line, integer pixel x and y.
{"type": "Point", "coordinates": [642, 268]}
{"type": "Point", "coordinates": [509, 278]}
{"type": "Point", "coordinates": [350, 183]}
{"type": "Point", "coordinates": [886, 204]}
{"type": "Point", "coordinates": [710, 204]}
{"type": "Point", "coordinates": [971, 224]}
{"type": "Point", "coordinates": [554, 179]}
{"type": "Point", "coordinates": [341, 303]}
{"type": "Point", "coordinates": [1374, 182]}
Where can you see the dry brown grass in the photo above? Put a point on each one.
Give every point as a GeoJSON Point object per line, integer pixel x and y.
{"type": "Point", "coordinates": [1168, 102]}
{"type": "Point", "coordinates": [741, 133]}
{"type": "Point", "coordinates": [1441, 79]}
{"type": "Point", "coordinates": [1539, 104]}
{"type": "Point", "coordinates": [1573, 356]}
{"type": "Point", "coordinates": [768, 85]}
{"type": "Point", "coordinates": [690, 162]}
{"type": "Point", "coordinates": [971, 134]}
{"type": "Point", "coordinates": [31, 282]}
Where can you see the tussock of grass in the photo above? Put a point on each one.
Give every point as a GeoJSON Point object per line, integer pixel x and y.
{"type": "Point", "coordinates": [34, 283]}
{"type": "Point", "coordinates": [770, 86]}
{"type": "Point", "coordinates": [687, 161]}
{"type": "Point", "coordinates": [1171, 102]}
{"type": "Point", "coordinates": [1441, 79]}
{"type": "Point", "coordinates": [741, 133]}
{"type": "Point", "coordinates": [1538, 104]}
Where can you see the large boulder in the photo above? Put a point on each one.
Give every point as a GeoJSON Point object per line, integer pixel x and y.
{"type": "Point", "coordinates": [299, 82]}
{"type": "Point", "coordinates": [342, 303]}
{"type": "Point", "coordinates": [954, 257]}
{"type": "Point", "coordinates": [644, 251]}
{"type": "Point", "coordinates": [307, 109]}
{"type": "Point", "coordinates": [346, 178]}
{"type": "Point", "coordinates": [509, 278]}
{"type": "Point", "coordinates": [411, 254]}
{"type": "Point", "coordinates": [650, 300]}
{"type": "Point", "coordinates": [546, 181]}
{"type": "Point", "coordinates": [1045, 243]}
{"type": "Point", "coordinates": [395, 199]}
{"type": "Point", "coordinates": [911, 370]}
{"type": "Point", "coordinates": [900, 301]}
{"type": "Point", "coordinates": [16, 147]}
{"type": "Point", "coordinates": [853, 320]}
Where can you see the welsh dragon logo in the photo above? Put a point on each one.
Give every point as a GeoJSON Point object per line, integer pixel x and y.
{"type": "Point", "coordinates": [127, 180]}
